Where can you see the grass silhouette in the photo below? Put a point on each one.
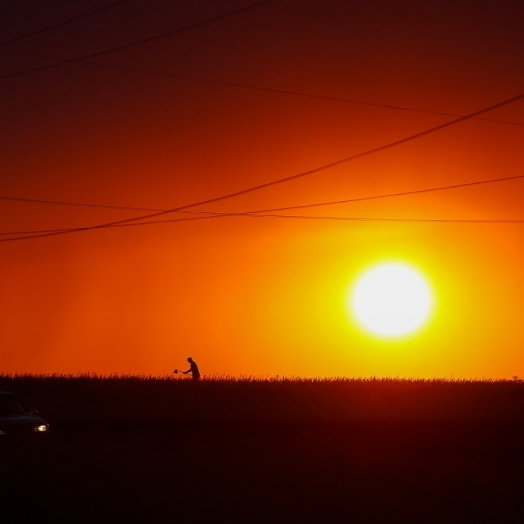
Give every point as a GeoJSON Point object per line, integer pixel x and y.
{"type": "Point", "coordinates": [139, 449]}
{"type": "Point", "coordinates": [99, 398]}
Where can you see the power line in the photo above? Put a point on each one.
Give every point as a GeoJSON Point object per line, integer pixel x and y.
{"type": "Point", "coordinates": [209, 215]}
{"type": "Point", "coordinates": [77, 204]}
{"type": "Point", "coordinates": [142, 41]}
{"type": "Point", "coordinates": [298, 93]}
{"type": "Point", "coordinates": [37, 233]}
{"type": "Point", "coordinates": [287, 208]}
{"type": "Point", "coordinates": [403, 220]}
{"type": "Point", "coordinates": [197, 79]}
{"type": "Point", "coordinates": [269, 213]}
{"type": "Point", "coordinates": [65, 22]}
{"type": "Point", "coordinates": [394, 195]}
{"type": "Point", "coordinates": [348, 219]}
{"type": "Point", "coordinates": [269, 89]}
{"type": "Point", "coordinates": [204, 80]}
{"type": "Point", "coordinates": [285, 179]}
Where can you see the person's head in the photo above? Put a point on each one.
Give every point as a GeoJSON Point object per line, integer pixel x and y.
{"type": "Point", "coordinates": [189, 359]}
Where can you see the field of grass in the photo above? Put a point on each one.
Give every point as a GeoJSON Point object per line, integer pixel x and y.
{"type": "Point", "coordinates": [92, 398]}
{"type": "Point", "coordinates": [139, 449]}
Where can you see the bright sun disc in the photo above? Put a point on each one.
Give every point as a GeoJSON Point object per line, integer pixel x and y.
{"type": "Point", "coordinates": [391, 300]}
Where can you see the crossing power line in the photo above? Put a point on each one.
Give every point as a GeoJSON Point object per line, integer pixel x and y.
{"type": "Point", "coordinates": [209, 215]}
{"type": "Point", "coordinates": [283, 180]}
{"type": "Point", "coordinates": [287, 208]}
{"type": "Point", "coordinates": [64, 22]}
{"type": "Point", "coordinates": [263, 89]}
{"type": "Point", "coordinates": [142, 41]}
{"type": "Point", "coordinates": [270, 213]}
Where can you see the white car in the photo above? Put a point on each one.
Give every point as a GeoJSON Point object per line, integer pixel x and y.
{"type": "Point", "coordinates": [17, 418]}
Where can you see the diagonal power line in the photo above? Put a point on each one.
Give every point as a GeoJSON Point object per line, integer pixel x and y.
{"type": "Point", "coordinates": [78, 204]}
{"type": "Point", "coordinates": [263, 89]}
{"type": "Point", "coordinates": [209, 215]}
{"type": "Point", "coordinates": [289, 178]}
{"type": "Point", "coordinates": [279, 181]}
{"type": "Point", "coordinates": [142, 41]}
{"type": "Point", "coordinates": [270, 213]}
{"type": "Point", "coordinates": [64, 22]}
{"type": "Point", "coordinates": [293, 93]}
{"type": "Point", "coordinates": [393, 195]}
{"type": "Point", "coordinates": [287, 208]}
{"type": "Point", "coordinates": [156, 213]}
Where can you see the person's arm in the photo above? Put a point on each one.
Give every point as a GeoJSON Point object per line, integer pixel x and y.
{"type": "Point", "coordinates": [186, 372]}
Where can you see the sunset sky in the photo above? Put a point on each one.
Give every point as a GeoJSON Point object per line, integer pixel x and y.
{"type": "Point", "coordinates": [161, 105]}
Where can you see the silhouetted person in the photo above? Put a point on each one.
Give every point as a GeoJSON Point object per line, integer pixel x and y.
{"type": "Point", "coordinates": [193, 369]}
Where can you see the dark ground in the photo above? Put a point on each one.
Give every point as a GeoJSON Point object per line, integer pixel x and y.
{"type": "Point", "coordinates": [405, 472]}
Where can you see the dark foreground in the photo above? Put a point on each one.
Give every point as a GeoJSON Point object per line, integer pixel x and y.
{"type": "Point", "coordinates": [405, 472]}
{"type": "Point", "coordinates": [133, 450]}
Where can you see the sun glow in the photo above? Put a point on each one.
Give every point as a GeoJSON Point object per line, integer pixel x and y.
{"type": "Point", "coordinates": [391, 300]}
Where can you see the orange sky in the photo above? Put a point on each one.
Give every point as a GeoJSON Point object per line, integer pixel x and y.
{"type": "Point", "coordinates": [245, 295]}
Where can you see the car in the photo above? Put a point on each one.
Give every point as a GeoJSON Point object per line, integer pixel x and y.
{"type": "Point", "coordinates": [17, 419]}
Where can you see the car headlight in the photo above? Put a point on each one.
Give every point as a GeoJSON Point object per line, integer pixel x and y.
{"type": "Point", "coordinates": [40, 428]}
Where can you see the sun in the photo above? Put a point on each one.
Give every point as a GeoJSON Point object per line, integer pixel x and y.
{"type": "Point", "coordinates": [391, 300]}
